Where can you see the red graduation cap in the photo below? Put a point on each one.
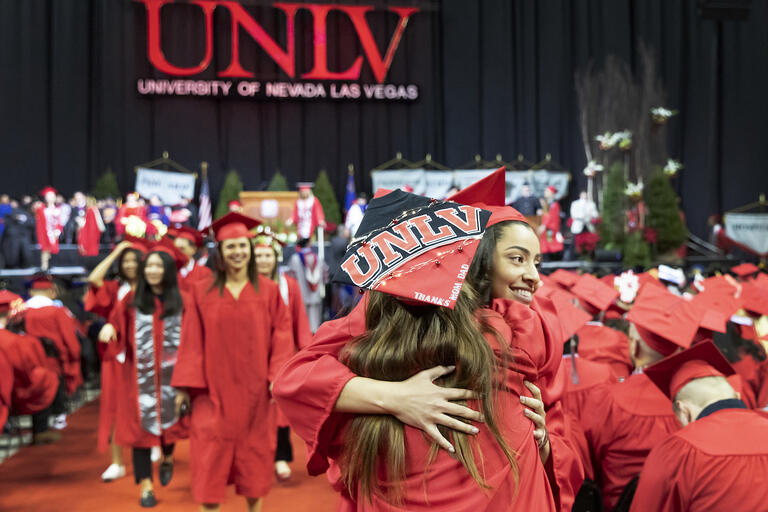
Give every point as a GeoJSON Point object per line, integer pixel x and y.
{"type": "Point", "coordinates": [188, 233]}
{"type": "Point", "coordinates": [609, 280]}
{"type": "Point", "coordinates": [166, 245]}
{"type": "Point", "coordinates": [41, 282]}
{"type": "Point", "coordinates": [745, 269]}
{"type": "Point", "coordinates": [414, 248]}
{"type": "Point", "coordinates": [305, 185]}
{"type": "Point", "coordinates": [551, 189]}
{"type": "Point", "coordinates": [140, 244]}
{"type": "Point", "coordinates": [723, 284]}
{"type": "Point", "coordinates": [234, 225]}
{"type": "Point", "coordinates": [754, 298]}
{"type": "Point", "coordinates": [672, 373]}
{"type": "Point", "coordinates": [664, 321]}
{"type": "Point", "coordinates": [606, 345]}
{"type": "Point", "coordinates": [47, 190]}
{"type": "Point", "coordinates": [488, 191]}
{"type": "Point", "coordinates": [645, 278]}
{"type": "Point", "coordinates": [570, 317]}
{"type": "Point", "coordinates": [564, 278]}
{"type": "Point", "coordinates": [594, 293]}
{"type": "Point", "coordinates": [7, 299]}
{"type": "Point", "coordinates": [715, 309]}
{"type": "Point", "coordinates": [504, 213]}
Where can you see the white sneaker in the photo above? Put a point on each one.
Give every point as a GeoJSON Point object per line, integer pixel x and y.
{"type": "Point", "coordinates": [156, 454]}
{"type": "Point", "coordinates": [113, 472]}
{"type": "Point", "coordinates": [60, 422]}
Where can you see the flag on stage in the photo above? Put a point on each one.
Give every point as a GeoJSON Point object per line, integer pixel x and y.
{"type": "Point", "coordinates": [351, 194]}
{"type": "Point", "coordinates": [205, 218]}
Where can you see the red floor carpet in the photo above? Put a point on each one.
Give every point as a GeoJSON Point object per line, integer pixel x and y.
{"type": "Point", "coordinates": [65, 477]}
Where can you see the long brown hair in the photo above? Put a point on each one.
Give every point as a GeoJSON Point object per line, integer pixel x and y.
{"type": "Point", "coordinates": [220, 271]}
{"type": "Point", "coordinates": [401, 341]}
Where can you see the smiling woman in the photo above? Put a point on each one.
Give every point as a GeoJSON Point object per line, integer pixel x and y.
{"type": "Point", "coordinates": [237, 334]}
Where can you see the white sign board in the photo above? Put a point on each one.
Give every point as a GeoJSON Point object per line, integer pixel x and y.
{"type": "Point", "coordinates": [170, 187]}
{"type": "Point", "coordinates": [400, 178]}
{"type": "Point", "coordinates": [750, 229]}
{"type": "Point", "coordinates": [437, 183]}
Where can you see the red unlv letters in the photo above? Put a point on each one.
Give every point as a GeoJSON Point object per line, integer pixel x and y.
{"type": "Point", "coordinates": [408, 239]}
{"type": "Point", "coordinates": [284, 58]}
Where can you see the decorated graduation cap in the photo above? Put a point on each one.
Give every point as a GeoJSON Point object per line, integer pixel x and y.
{"type": "Point", "coordinates": [234, 225]}
{"type": "Point", "coordinates": [664, 321]}
{"type": "Point", "coordinates": [745, 269]}
{"type": "Point", "coordinates": [188, 233]}
{"type": "Point", "coordinates": [415, 248]}
{"type": "Point", "coordinates": [265, 238]}
{"type": "Point", "coordinates": [594, 295]}
{"type": "Point", "coordinates": [671, 374]}
{"type": "Point", "coordinates": [564, 278]}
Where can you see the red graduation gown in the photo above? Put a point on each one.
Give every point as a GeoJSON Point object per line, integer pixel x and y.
{"type": "Point", "coordinates": [33, 384]}
{"type": "Point", "coordinates": [623, 422]}
{"type": "Point", "coordinates": [130, 423]}
{"type": "Point", "coordinates": [549, 239]}
{"type": "Point", "coordinates": [715, 464]}
{"type": "Point", "coordinates": [89, 235]}
{"type": "Point", "coordinates": [311, 382]}
{"type": "Point", "coordinates": [539, 336]}
{"type": "Point", "coordinates": [47, 236]}
{"type": "Point", "coordinates": [231, 350]}
{"type": "Point", "coordinates": [578, 385]}
{"type": "Point", "coordinates": [101, 300]}
{"type": "Point", "coordinates": [302, 334]}
{"type": "Point", "coordinates": [603, 344]}
{"type": "Point", "coordinates": [57, 325]}
{"type": "Point", "coordinates": [198, 273]}
{"type": "Point", "coordinates": [6, 388]}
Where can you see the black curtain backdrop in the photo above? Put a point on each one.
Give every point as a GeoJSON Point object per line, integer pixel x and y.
{"type": "Point", "coordinates": [496, 76]}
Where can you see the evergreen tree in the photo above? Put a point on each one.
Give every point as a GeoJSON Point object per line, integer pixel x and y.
{"type": "Point", "coordinates": [278, 183]}
{"type": "Point", "coordinates": [106, 186]}
{"type": "Point", "coordinates": [636, 251]}
{"type": "Point", "coordinates": [233, 185]}
{"type": "Point", "coordinates": [663, 213]}
{"type": "Point", "coordinates": [614, 208]}
{"type": "Point", "coordinates": [323, 191]}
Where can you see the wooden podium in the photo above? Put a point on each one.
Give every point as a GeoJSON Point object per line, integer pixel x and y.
{"type": "Point", "coordinates": [269, 207]}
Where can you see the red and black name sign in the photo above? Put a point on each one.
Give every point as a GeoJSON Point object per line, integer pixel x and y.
{"type": "Point", "coordinates": [237, 79]}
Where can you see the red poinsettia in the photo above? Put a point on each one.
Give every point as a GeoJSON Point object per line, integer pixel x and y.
{"type": "Point", "coordinates": [586, 242]}
{"type": "Point", "coordinates": [650, 235]}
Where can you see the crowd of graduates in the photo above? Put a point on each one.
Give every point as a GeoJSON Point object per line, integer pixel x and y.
{"type": "Point", "coordinates": [460, 377]}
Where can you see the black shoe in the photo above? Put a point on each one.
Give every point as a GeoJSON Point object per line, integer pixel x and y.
{"type": "Point", "coordinates": [165, 472]}
{"type": "Point", "coordinates": [148, 499]}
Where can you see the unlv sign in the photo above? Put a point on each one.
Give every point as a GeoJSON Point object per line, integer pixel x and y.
{"type": "Point", "coordinates": [306, 84]}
